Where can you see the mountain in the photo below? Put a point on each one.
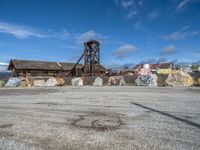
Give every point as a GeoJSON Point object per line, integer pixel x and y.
{"type": "Point", "coordinates": [3, 68]}
{"type": "Point", "coordinates": [4, 73]}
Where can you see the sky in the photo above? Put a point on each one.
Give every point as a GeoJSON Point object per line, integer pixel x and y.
{"type": "Point", "coordinates": [130, 31]}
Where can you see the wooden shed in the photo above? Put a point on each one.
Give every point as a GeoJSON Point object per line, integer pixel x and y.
{"type": "Point", "coordinates": [45, 68]}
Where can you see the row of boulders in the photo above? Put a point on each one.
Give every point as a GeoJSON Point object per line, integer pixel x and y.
{"type": "Point", "coordinates": [28, 82]}
{"type": "Point", "coordinates": [114, 80]}
{"type": "Point", "coordinates": [177, 78]}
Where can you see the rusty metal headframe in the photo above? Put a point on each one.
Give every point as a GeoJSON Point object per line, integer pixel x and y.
{"type": "Point", "coordinates": [91, 58]}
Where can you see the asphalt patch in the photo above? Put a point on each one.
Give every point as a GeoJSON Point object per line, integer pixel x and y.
{"type": "Point", "coordinates": [98, 122]}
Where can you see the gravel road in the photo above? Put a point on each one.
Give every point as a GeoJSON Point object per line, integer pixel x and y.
{"type": "Point", "coordinates": [100, 118]}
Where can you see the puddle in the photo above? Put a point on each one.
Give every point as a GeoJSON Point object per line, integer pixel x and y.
{"type": "Point", "coordinates": [99, 122]}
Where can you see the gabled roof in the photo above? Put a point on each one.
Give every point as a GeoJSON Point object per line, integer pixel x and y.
{"type": "Point", "coordinates": [69, 66]}
{"type": "Point", "coordinates": [40, 65]}
{"type": "Point", "coordinates": [165, 66]}
{"type": "Point", "coordinates": [45, 65]}
{"type": "Point", "coordinates": [154, 66]}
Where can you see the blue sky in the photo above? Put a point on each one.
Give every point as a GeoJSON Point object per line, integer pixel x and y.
{"type": "Point", "coordinates": [130, 31]}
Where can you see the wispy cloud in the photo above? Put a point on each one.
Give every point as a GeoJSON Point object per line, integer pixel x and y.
{"type": "Point", "coordinates": [158, 61]}
{"type": "Point", "coordinates": [182, 5]}
{"type": "Point", "coordinates": [125, 3]}
{"type": "Point", "coordinates": [170, 49]}
{"type": "Point", "coordinates": [131, 6]}
{"type": "Point", "coordinates": [83, 37]}
{"type": "Point", "coordinates": [124, 51]}
{"type": "Point", "coordinates": [2, 63]}
{"type": "Point", "coordinates": [117, 66]}
{"type": "Point", "coordinates": [20, 32]}
{"type": "Point", "coordinates": [182, 34]}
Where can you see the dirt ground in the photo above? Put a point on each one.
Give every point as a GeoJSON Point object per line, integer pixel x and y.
{"type": "Point", "coordinates": [100, 118]}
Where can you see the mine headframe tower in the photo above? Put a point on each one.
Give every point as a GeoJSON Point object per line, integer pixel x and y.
{"type": "Point", "coordinates": [91, 54]}
{"type": "Point", "coordinates": [91, 58]}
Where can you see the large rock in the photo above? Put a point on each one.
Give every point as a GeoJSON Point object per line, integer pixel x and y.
{"type": "Point", "coordinates": [116, 80]}
{"type": "Point", "coordinates": [51, 82]}
{"type": "Point", "coordinates": [154, 80]}
{"type": "Point", "coordinates": [77, 82]}
{"type": "Point", "coordinates": [113, 81]}
{"type": "Point", "coordinates": [55, 82]}
{"type": "Point", "coordinates": [13, 82]}
{"type": "Point", "coordinates": [144, 80]}
{"type": "Point", "coordinates": [2, 83]}
{"type": "Point", "coordinates": [197, 81]}
{"type": "Point", "coordinates": [39, 83]}
{"type": "Point", "coordinates": [98, 82]}
{"type": "Point", "coordinates": [60, 81]}
{"type": "Point", "coordinates": [179, 78]}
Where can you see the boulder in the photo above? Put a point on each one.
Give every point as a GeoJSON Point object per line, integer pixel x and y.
{"type": "Point", "coordinates": [51, 82]}
{"type": "Point", "coordinates": [98, 82]}
{"type": "Point", "coordinates": [154, 78]}
{"type": "Point", "coordinates": [143, 80]}
{"type": "Point", "coordinates": [60, 81]}
{"type": "Point", "coordinates": [112, 81]}
{"type": "Point", "coordinates": [116, 80]}
{"type": "Point", "coordinates": [2, 83]}
{"type": "Point", "coordinates": [77, 82]}
{"type": "Point", "coordinates": [13, 82]}
{"type": "Point", "coordinates": [179, 78]}
{"type": "Point", "coordinates": [39, 83]}
{"type": "Point", "coordinates": [197, 81]}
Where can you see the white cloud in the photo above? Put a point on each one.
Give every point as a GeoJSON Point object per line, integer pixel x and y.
{"type": "Point", "coordinates": [170, 49]}
{"type": "Point", "coordinates": [86, 36]}
{"type": "Point", "coordinates": [20, 32]}
{"type": "Point", "coordinates": [181, 34]}
{"type": "Point", "coordinates": [2, 63]}
{"type": "Point", "coordinates": [124, 51]}
{"type": "Point", "coordinates": [131, 6]}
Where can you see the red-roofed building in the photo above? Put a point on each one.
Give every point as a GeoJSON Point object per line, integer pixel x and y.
{"type": "Point", "coordinates": [154, 66]}
{"type": "Point", "coordinates": [166, 66]}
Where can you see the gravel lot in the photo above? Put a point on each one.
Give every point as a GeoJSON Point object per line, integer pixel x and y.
{"type": "Point", "coordinates": [100, 118]}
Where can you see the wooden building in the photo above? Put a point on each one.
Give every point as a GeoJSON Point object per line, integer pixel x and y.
{"type": "Point", "coordinates": [45, 68]}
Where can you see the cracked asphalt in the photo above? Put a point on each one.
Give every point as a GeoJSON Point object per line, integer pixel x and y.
{"type": "Point", "coordinates": [100, 118]}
